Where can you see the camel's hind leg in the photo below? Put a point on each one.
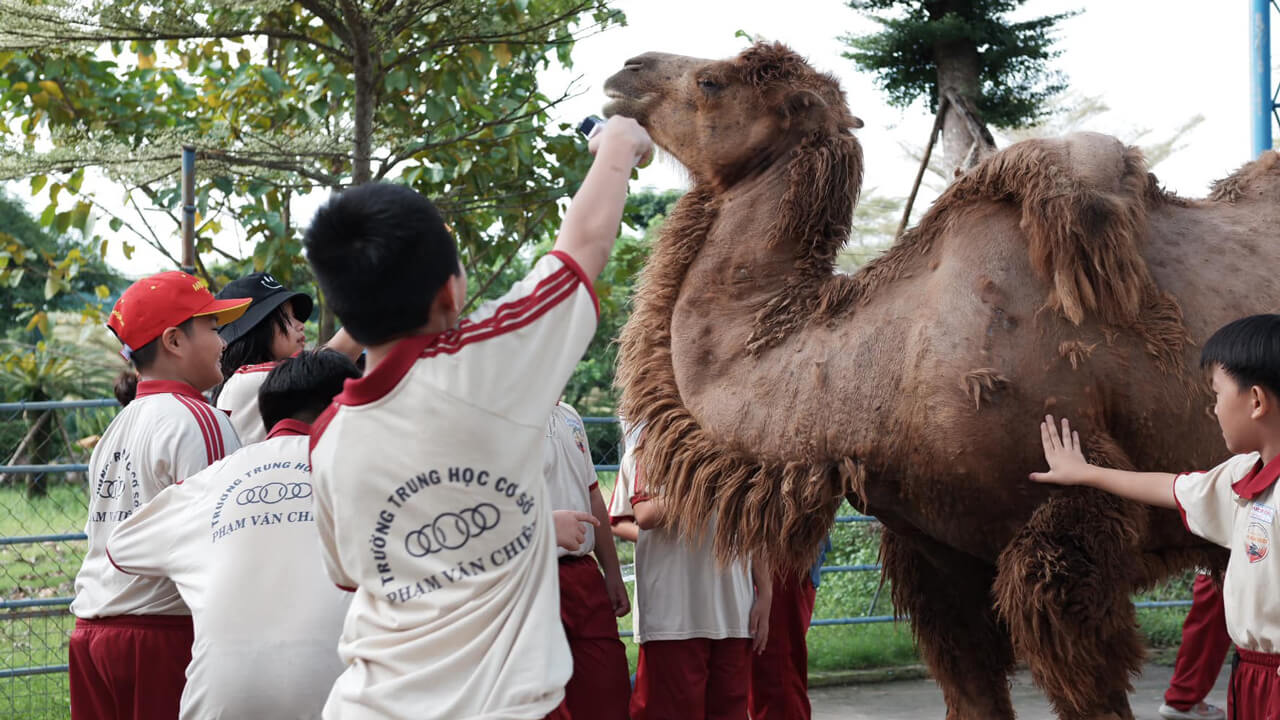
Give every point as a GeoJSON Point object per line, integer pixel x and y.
{"type": "Point", "coordinates": [1063, 590]}
{"type": "Point", "coordinates": [948, 596]}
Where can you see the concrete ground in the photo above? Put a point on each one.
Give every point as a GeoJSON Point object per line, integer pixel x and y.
{"type": "Point", "coordinates": [922, 700]}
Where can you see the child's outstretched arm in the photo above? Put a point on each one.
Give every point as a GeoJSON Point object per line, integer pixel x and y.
{"type": "Point", "coordinates": [1067, 466]}
{"type": "Point", "coordinates": [591, 223]}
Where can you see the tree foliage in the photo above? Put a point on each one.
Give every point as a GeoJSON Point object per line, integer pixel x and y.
{"type": "Point", "coordinates": [1013, 74]}
{"type": "Point", "coordinates": [288, 98]}
{"type": "Point", "coordinates": [43, 272]}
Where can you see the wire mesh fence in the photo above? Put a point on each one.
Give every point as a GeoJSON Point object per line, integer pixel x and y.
{"type": "Point", "coordinates": [45, 449]}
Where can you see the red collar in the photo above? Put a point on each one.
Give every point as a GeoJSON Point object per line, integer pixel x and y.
{"type": "Point", "coordinates": [175, 387]}
{"type": "Point", "coordinates": [1258, 480]}
{"type": "Point", "coordinates": [289, 426]}
{"type": "Point", "coordinates": [379, 381]}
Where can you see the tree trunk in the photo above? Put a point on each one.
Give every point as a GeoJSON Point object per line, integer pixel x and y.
{"type": "Point", "coordinates": [365, 70]}
{"type": "Point", "coordinates": [958, 74]}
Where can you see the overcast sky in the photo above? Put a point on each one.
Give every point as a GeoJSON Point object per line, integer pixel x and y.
{"type": "Point", "coordinates": [1155, 63]}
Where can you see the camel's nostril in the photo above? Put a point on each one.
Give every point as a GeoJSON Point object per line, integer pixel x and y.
{"type": "Point", "coordinates": [633, 66]}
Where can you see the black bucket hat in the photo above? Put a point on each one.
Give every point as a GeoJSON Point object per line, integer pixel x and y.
{"type": "Point", "coordinates": [267, 294]}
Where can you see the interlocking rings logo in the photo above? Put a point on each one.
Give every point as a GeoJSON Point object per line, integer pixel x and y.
{"type": "Point", "coordinates": [273, 492]}
{"type": "Point", "coordinates": [110, 489]}
{"type": "Point", "coordinates": [452, 530]}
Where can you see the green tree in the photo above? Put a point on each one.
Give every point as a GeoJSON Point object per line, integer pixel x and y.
{"type": "Point", "coordinates": [965, 49]}
{"type": "Point", "coordinates": [286, 98]}
{"type": "Point", "coordinates": [42, 272]}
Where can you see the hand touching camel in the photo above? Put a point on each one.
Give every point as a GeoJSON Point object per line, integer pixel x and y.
{"type": "Point", "coordinates": [1067, 465]}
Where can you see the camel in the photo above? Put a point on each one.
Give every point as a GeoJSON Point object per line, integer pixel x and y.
{"type": "Point", "coordinates": [1056, 276]}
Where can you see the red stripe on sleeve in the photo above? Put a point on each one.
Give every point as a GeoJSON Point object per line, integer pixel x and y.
{"type": "Point", "coordinates": [1181, 510]}
{"type": "Point", "coordinates": [113, 563]}
{"type": "Point", "coordinates": [582, 275]}
{"type": "Point", "coordinates": [202, 423]}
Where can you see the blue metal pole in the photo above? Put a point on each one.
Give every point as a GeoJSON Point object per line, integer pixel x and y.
{"type": "Point", "coordinates": [188, 209]}
{"type": "Point", "coordinates": [1260, 102]}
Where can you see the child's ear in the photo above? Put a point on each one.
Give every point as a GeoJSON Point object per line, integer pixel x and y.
{"type": "Point", "coordinates": [172, 339]}
{"type": "Point", "coordinates": [1261, 402]}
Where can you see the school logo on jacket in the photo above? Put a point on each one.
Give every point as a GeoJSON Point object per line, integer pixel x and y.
{"type": "Point", "coordinates": [1257, 542]}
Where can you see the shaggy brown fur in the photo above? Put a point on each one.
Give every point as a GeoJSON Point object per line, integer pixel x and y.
{"type": "Point", "coordinates": [771, 387]}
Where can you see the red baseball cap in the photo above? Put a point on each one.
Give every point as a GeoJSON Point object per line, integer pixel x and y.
{"type": "Point", "coordinates": [153, 304]}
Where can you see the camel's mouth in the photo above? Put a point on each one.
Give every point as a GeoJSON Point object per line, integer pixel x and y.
{"type": "Point", "coordinates": [622, 102]}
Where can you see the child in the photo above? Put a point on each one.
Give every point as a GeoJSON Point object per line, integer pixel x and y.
{"type": "Point", "coordinates": [133, 634]}
{"type": "Point", "coordinates": [239, 541]}
{"type": "Point", "coordinates": [1232, 505]}
{"type": "Point", "coordinates": [1200, 655]}
{"type": "Point", "coordinates": [697, 622]}
{"type": "Point", "coordinates": [780, 674]}
{"type": "Point", "coordinates": [622, 517]}
{"type": "Point", "coordinates": [271, 330]}
{"type": "Point", "coordinates": [430, 500]}
{"type": "Point", "coordinates": [589, 603]}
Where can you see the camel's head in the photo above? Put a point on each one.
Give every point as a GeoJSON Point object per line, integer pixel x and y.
{"type": "Point", "coordinates": [727, 119]}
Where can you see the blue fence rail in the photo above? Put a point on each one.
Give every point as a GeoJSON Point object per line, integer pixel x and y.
{"type": "Point", "coordinates": [67, 460]}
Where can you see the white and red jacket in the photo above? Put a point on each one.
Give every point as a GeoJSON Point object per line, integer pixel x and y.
{"type": "Point", "coordinates": [239, 542]}
{"type": "Point", "coordinates": [571, 476]}
{"type": "Point", "coordinates": [166, 435]}
{"type": "Point", "coordinates": [432, 507]}
{"type": "Point", "coordinates": [239, 398]}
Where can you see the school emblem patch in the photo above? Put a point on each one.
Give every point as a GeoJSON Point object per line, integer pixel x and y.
{"type": "Point", "coordinates": [1257, 542]}
{"type": "Point", "coordinates": [580, 438]}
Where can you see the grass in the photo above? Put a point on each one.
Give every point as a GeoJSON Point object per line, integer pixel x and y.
{"type": "Point", "coordinates": [37, 637]}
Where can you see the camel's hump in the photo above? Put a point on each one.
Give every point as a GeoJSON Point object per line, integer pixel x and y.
{"type": "Point", "coordinates": [1093, 160]}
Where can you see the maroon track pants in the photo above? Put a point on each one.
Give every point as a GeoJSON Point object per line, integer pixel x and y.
{"type": "Point", "coordinates": [697, 679]}
{"type": "Point", "coordinates": [780, 675]}
{"type": "Point", "coordinates": [601, 684]}
{"type": "Point", "coordinates": [1204, 646]}
{"type": "Point", "coordinates": [129, 667]}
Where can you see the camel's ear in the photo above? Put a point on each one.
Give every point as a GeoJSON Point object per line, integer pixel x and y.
{"type": "Point", "coordinates": [857, 121]}
{"type": "Point", "coordinates": [801, 106]}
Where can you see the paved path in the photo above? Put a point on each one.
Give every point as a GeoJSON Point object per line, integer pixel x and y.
{"type": "Point", "coordinates": [922, 700]}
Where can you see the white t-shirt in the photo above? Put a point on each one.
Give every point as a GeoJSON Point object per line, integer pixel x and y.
{"type": "Point", "coordinates": [570, 473]}
{"type": "Point", "coordinates": [1234, 505]}
{"type": "Point", "coordinates": [167, 434]}
{"type": "Point", "coordinates": [681, 591]}
{"type": "Point", "coordinates": [431, 505]}
{"type": "Point", "coordinates": [239, 397]}
{"type": "Point", "coordinates": [620, 499]}
{"type": "Point", "coordinates": [239, 541]}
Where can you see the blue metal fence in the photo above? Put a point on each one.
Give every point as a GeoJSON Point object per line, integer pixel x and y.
{"type": "Point", "coordinates": [35, 587]}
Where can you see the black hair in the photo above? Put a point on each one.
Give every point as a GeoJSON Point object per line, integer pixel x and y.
{"type": "Point", "coordinates": [147, 354]}
{"type": "Point", "coordinates": [1248, 351]}
{"type": "Point", "coordinates": [126, 386]}
{"type": "Point", "coordinates": [381, 253]}
{"type": "Point", "coordinates": [302, 386]}
{"type": "Point", "coordinates": [253, 347]}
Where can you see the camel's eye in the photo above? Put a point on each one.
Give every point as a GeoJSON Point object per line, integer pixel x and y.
{"type": "Point", "coordinates": [708, 86]}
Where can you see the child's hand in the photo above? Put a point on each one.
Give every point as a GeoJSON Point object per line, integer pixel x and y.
{"type": "Point", "coordinates": [617, 590]}
{"type": "Point", "coordinates": [626, 132]}
{"type": "Point", "coordinates": [570, 531]}
{"type": "Point", "coordinates": [1067, 465]}
{"type": "Point", "coordinates": [758, 622]}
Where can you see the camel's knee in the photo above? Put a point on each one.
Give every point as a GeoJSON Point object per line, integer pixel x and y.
{"type": "Point", "coordinates": [1062, 589]}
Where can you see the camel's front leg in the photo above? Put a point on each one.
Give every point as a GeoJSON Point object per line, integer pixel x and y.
{"type": "Point", "coordinates": [948, 596]}
{"type": "Point", "coordinates": [1063, 589]}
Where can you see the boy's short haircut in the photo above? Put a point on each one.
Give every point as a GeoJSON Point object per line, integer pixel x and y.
{"type": "Point", "coordinates": [1247, 350]}
{"type": "Point", "coordinates": [380, 253]}
{"type": "Point", "coordinates": [303, 385]}
{"type": "Point", "coordinates": [145, 355]}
